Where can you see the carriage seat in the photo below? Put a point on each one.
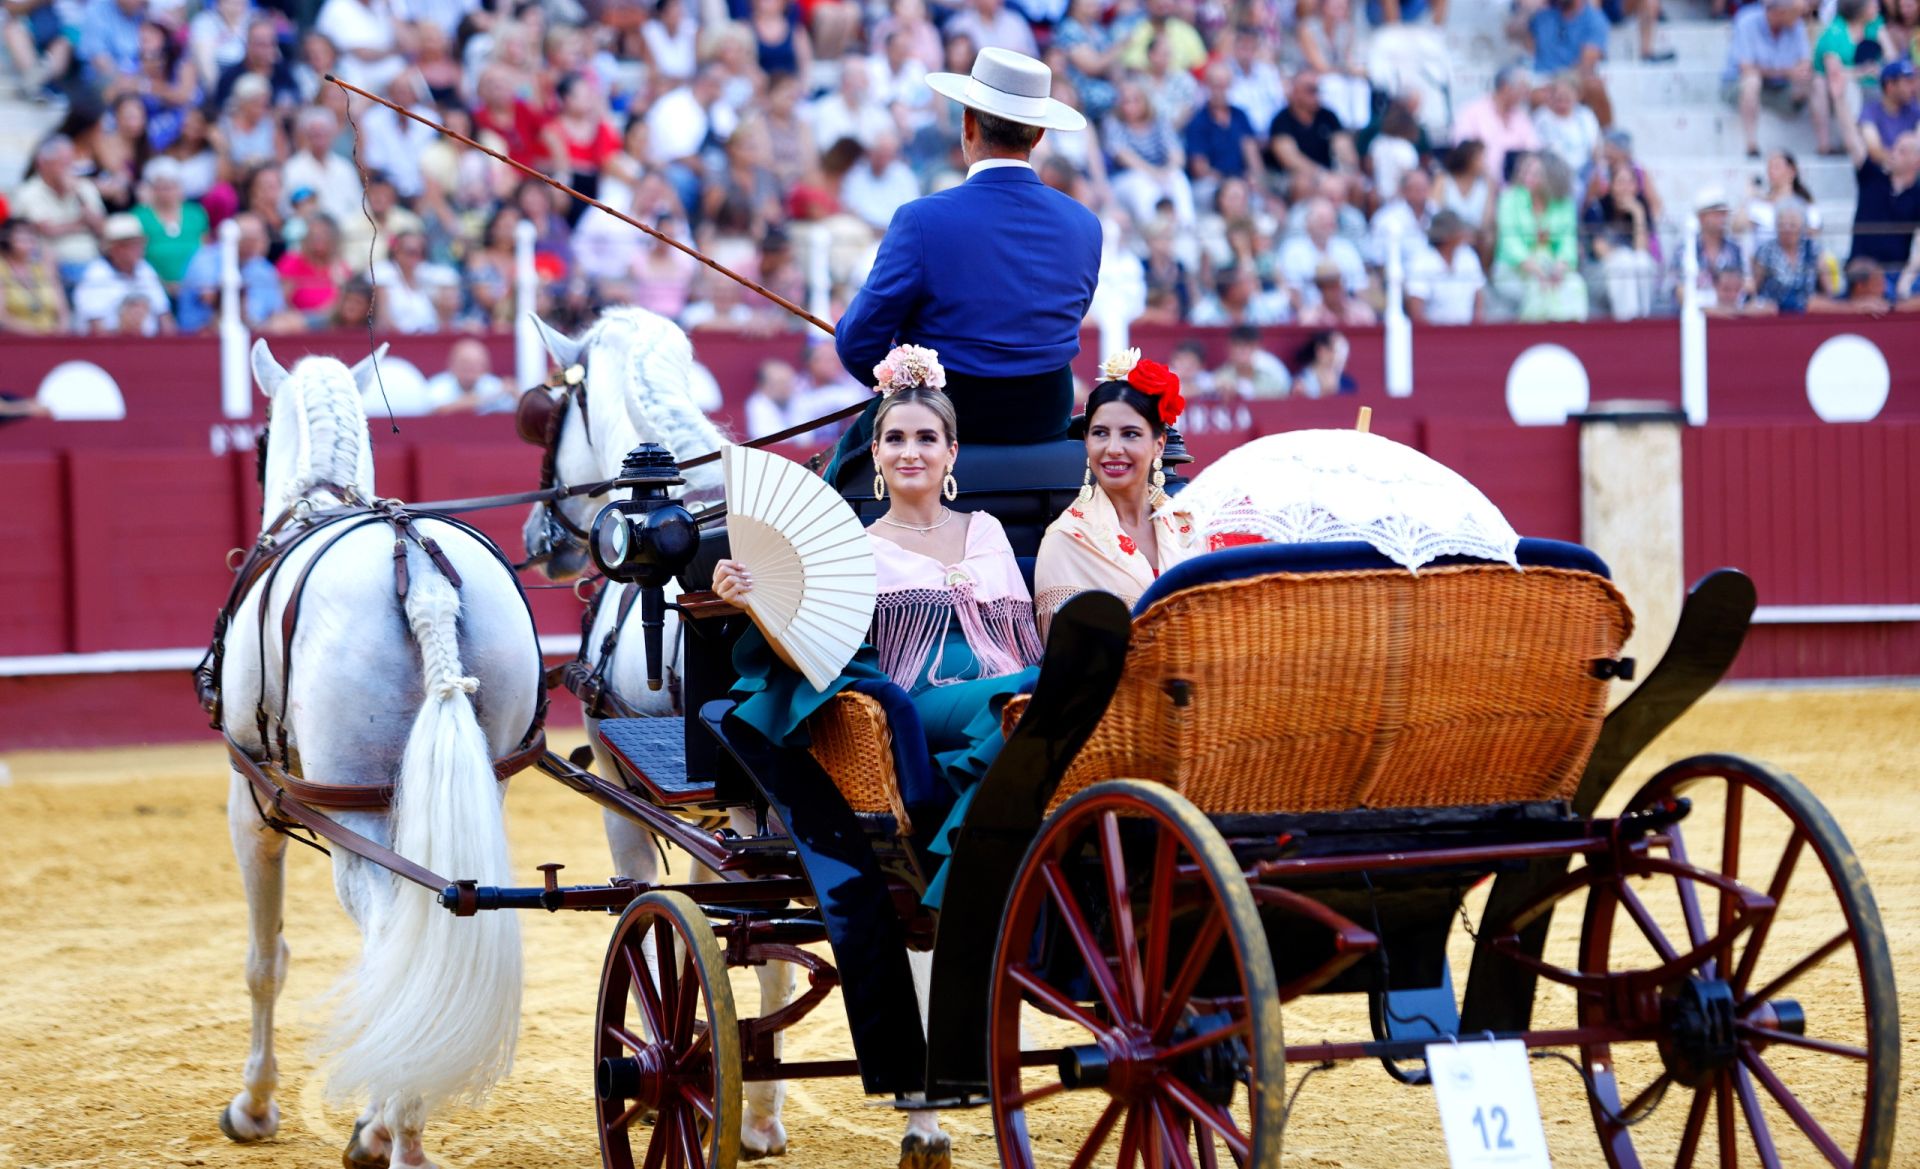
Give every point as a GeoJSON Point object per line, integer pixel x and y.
{"type": "Point", "coordinates": [1324, 677]}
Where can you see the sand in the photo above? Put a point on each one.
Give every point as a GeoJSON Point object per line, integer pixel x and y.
{"type": "Point", "coordinates": [123, 1013]}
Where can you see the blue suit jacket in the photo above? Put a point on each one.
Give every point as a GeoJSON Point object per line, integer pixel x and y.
{"type": "Point", "coordinates": [995, 273]}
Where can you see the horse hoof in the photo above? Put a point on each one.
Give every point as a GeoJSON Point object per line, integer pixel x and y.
{"type": "Point", "coordinates": [934, 1152]}
{"type": "Point", "coordinates": [355, 1158]}
{"type": "Point", "coordinates": [774, 1147]}
{"type": "Point", "coordinates": [251, 1130]}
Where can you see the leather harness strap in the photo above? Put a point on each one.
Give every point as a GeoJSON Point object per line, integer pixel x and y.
{"type": "Point", "coordinates": [273, 782]}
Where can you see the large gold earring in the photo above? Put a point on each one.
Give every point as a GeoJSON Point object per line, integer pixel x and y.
{"type": "Point", "coordinates": [950, 487]}
{"type": "Point", "coordinates": [1157, 497]}
{"type": "Point", "coordinates": [1086, 484]}
{"type": "Point", "coordinates": [879, 486]}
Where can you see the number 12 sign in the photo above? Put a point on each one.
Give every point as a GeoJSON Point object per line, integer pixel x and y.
{"type": "Point", "coordinates": [1488, 1111]}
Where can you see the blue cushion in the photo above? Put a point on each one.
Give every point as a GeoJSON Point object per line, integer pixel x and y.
{"type": "Point", "coordinates": [1341, 556]}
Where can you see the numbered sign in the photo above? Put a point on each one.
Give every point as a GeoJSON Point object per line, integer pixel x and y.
{"type": "Point", "coordinates": [1487, 1107]}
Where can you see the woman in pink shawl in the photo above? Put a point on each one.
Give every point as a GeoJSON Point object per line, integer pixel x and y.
{"type": "Point", "coordinates": [953, 623]}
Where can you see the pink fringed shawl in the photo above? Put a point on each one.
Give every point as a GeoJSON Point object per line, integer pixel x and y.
{"type": "Point", "coordinates": [919, 599]}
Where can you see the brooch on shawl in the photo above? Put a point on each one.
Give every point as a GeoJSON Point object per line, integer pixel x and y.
{"type": "Point", "coordinates": [908, 366]}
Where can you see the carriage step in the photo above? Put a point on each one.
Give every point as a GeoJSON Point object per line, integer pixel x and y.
{"type": "Point", "coordinates": [652, 756]}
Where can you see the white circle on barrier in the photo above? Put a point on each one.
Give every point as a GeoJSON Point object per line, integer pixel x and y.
{"type": "Point", "coordinates": [1848, 379]}
{"type": "Point", "coordinates": [1545, 384]}
{"type": "Point", "coordinates": [80, 391]}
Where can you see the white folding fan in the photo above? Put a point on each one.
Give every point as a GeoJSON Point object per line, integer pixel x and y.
{"type": "Point", "coordinates": [811, 561]}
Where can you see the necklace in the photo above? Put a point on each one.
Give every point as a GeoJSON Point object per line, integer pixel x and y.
{"type": "Point", "coordinates": [945, 515]}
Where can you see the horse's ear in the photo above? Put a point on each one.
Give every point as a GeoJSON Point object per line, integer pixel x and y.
{"type": "Point", "coordinates": [363, 369]}
{"type": "Point", "coordinates": [267, 371]}
{"type": "Point", "coordinates": [564, 350]}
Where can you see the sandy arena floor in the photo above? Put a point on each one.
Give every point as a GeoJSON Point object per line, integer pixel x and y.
{"type": "Point", "coordinates": [123, 1014]}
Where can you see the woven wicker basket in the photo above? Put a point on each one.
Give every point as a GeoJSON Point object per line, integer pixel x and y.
{"type": "Point", "coordinates": [854, 746]}
{"type": "Point", "coordinates": [1330, 691]}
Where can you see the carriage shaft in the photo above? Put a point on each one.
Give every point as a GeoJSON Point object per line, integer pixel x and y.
{"type": "Point", "coordinates": [1398, 1049]}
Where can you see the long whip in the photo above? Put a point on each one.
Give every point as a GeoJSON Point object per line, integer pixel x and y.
{"type": "Point", "coordinates": [557, 185]}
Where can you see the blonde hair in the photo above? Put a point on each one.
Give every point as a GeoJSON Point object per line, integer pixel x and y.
{"type": "Point", "coordinates": [934, 400]}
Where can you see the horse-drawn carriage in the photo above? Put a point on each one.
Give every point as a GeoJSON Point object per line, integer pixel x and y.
{"type": "Point", "coordinates": [1281, 775]}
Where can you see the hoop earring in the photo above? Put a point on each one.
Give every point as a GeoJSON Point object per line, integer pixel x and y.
{"type": "Point", "coordinates": [950, 487]}
{"type": "Point", "coordinates": [1157, 496]}
{"type": "Point", "coordinates": [879, 486]}
{"type": "Point", "coordinates": [1086, 484]}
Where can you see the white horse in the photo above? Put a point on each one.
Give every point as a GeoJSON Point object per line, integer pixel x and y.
{"type": "Point", "coordinates": [636, 366]}
{"type": "Point", "coordinates": [423, 692]}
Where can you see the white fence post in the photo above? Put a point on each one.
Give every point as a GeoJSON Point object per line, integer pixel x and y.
{"type": "Point", "coordinates": [236, 384]}
{"type": "Point", "coordinates": [820, 272]}
{"type": "Point", "coordinates": [1693, 328]}
{"type": "Point", "coordinates": [529, 354]}
{"type": "Point", "coordinates": [1399, 329]}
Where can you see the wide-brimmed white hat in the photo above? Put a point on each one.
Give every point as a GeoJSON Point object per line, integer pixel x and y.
{"type": "Point", "coordinates": [1009, 85]}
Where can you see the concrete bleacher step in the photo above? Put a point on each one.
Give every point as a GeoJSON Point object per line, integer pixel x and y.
{"type": "Point", "coordinates": [1709, 131]}
{"type": "Point", "coordinates": [1830, 180]}
{"type": "Point", "coordinates": [1699, 43]}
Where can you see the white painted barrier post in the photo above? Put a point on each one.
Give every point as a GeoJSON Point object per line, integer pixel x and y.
{"type": "Point", "coordinates": [1399, 329]}
{"type": "Point", "coordinates": [820, 272]}
{"type": "Point", "coordinates": [236, 384]}
{"type": "Point", "coordinates": [1693, 329]}
{"type": "Point", "coordinates": [529, 354]}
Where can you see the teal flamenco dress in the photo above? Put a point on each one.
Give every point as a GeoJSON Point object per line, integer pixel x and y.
{"type": "Point", "coordinates": [958, 639]}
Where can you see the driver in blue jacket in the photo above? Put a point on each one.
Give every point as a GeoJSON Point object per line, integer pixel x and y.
{"type": "Point", "coordinates": [995, 274]}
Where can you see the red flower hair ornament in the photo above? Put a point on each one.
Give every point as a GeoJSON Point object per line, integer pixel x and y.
{"type": "Point", "coordinates": [1151, 378]}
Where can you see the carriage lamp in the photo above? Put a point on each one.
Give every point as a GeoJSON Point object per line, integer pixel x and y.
{"type": "Point", "coordinates": [646, 539]}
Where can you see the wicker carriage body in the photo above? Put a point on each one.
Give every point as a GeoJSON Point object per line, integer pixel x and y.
{"type": "Point", "coordinates": [1330, 691]}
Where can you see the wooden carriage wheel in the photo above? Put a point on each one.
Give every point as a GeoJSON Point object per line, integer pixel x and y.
{"type": "Point", "coordinates": [670, 1079]}
{"type": "Point", "coordinates": [1780, 1041]}
{"type": "Point", "coordinates": [1130, 900]}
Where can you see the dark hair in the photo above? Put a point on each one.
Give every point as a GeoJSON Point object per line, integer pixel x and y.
{"type": "Point", "coordinates": [934, 400]}
{"type": "Point", "coordinates": [839, 158]}
{"type": "Point", "coordinates": [1193, 347]}
{"type": "Point", "coordinates": [1311, 348]}
{"type": "Point", "coordinates": [1399, 122]}
{"type": "Point", "coordinates": [1245, 333]}
{"type": "Point", "coordinates": [1001, 134]}
{"type": "Point", "coordinates": [1799, 185]}
{"type": "Point", "coordinates": [1124, 393]}
{"type": "Point", "coordinates": [1462, 155]}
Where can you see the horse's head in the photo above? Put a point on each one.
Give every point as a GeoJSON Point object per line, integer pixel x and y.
{"type": "Point", "coordinates": [318, 427]}
{"type": "Point", "coordinates": [578, 420]}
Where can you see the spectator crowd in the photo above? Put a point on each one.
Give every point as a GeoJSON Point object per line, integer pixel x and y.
{"type": "Point", "coordinates": [1250, 164]}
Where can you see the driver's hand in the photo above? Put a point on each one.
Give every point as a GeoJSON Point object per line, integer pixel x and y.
{"type": "Point", "coordinates": [731, 580]}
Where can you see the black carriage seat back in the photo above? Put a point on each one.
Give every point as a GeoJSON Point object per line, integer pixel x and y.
{"type": "Point", "coordinates": [1278, 678]}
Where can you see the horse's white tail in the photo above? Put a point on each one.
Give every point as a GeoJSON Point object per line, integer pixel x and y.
{"type": "Point", "coordinates": [662, 360]}
{"type": "Point", "coordinates": [433, 1009]}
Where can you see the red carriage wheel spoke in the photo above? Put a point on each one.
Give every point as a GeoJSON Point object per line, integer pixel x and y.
{"type": "Point", "coordinates": [1723, 1112]}
{"type": "Point", "coordinates": [1084, 939]}
{"type": "Point", "coordinates": [1173, 1137]}
{"type": "Point", "coordinates": [1153, 1148]}
{"type": "Point", "coordinates": [644, 989]}
{"type": "Point", "coordinates": [696, 1049]}
{"type": "Point", "coordinates": [1776, 892]}
{"type": "Point", "coordinates": [1730, 848]}
{"type": "Point", "coordinates": [1645, 1094]}
{"type": "Point", "coordinates": [1203, 1140]}
{"type": "Point", "coordinates": [1097, 1139]}
{"type": "Point", "coordinates": [686, 1140]}
{"type": "Point", "coordinates": [1241, 1026]}
{"type": "Point", "coordinates": [656, 1150]}
{"type": "Point", "coordinates": [1793, 973]}
{"type": "Point", "coordinates": [698, 1101]}
{"type": "Point", "coordinates": [1823, 1046]}
{"type": "Point", "coordinates": [1120, 901]}
{"type": "Point", "coordinates": [1790, 1104]}
{"type": "Point", "coordinates": [1054, 999]}
{"type": "Point", "coordinates": [1022, 1099]}
{"type": "Point", "coordinates": [1757, 1126]}
{"type": "Point", "coordinates": [689, 998]}
{"type": "Point", "coordinates": [1695, 1127]}
{"type": "Point", "coordinates": [1637, 910]}
{"type": "Point", "coordinates": [1195, 963]}
{"type": "Point", "coordinates": [1129, 1140]}
{"type": "Point", "coordinates": [1689, 896]}
{"type": "Point", "coordinates": [1159, 914]}
{"type": "Point", "coordinates": [628, 1115]}
{"type": "Point", "coordinates": [667, 978]}
{"type": "Point", "coordinates": [627, 1039]}
{"type": "Point", "coordinates": [1212, 1116]}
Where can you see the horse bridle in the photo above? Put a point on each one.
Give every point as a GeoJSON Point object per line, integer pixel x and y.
{"type": "Point", "coordinates": [539, 418]}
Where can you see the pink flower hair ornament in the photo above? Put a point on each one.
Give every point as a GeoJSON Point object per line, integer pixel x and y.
{"type": "Point", "coordinates": [907, 366]}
